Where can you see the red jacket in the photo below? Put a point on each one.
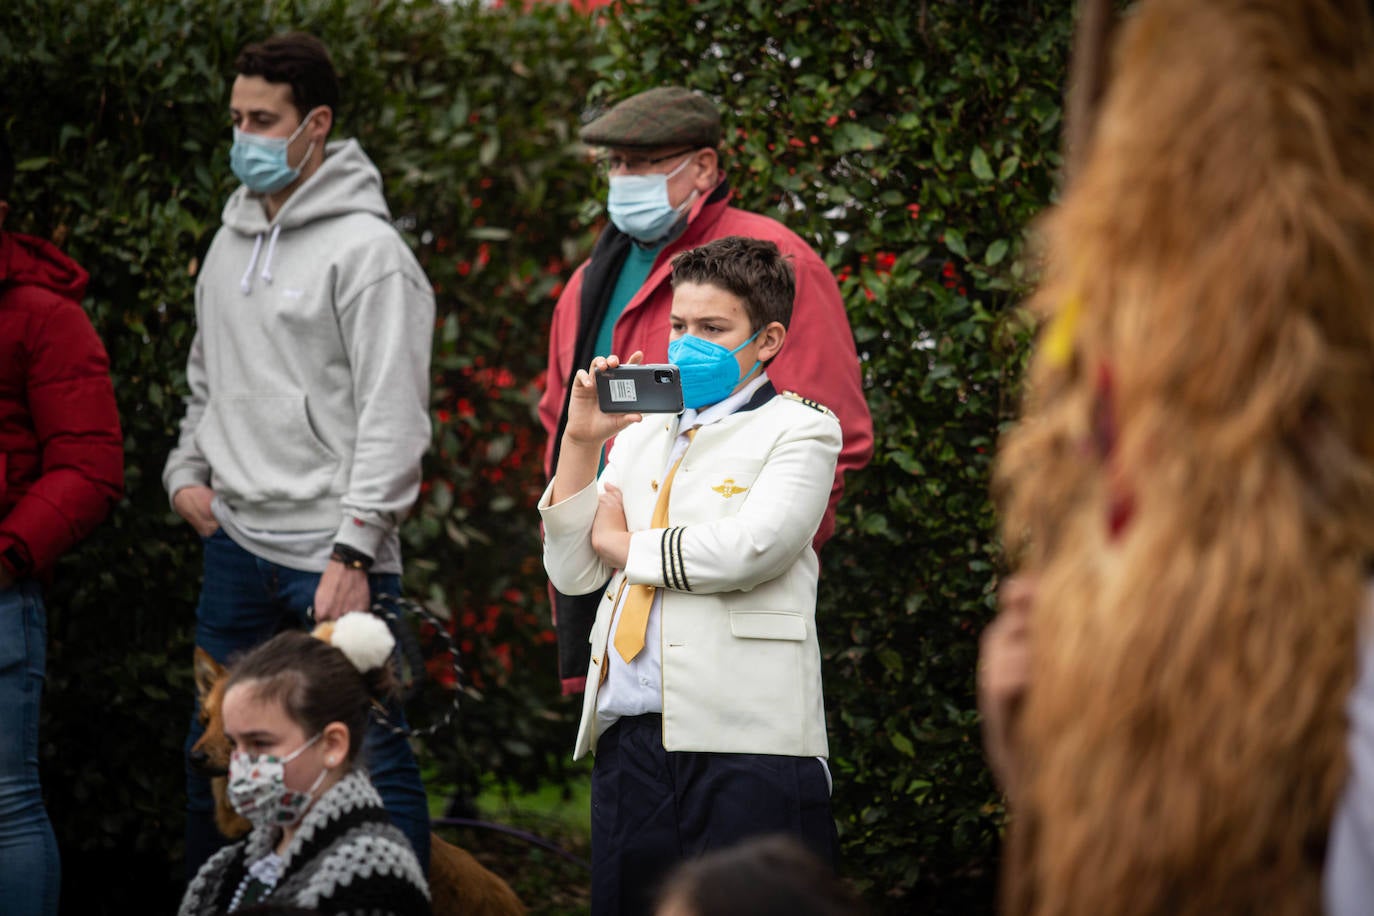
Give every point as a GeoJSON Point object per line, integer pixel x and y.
{"type": "Point", "coordinates": [817, 361]}
{"type": "Point", "coordinates": [61, 450]}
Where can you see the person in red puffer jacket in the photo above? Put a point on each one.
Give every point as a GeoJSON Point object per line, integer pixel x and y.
{"type": "Point", "coordinates": [61, 469]}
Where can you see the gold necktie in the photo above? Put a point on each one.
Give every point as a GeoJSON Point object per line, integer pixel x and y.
{"type": "Point", "coordinates": [634, 614]}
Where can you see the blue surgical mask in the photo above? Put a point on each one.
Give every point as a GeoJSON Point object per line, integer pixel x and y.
{"type": "Point", "coordinates": [709, 372]}
{"type": "Point", "coordinates": [261, 163]}
{"type": "Point", "coordinates": [639, 205]}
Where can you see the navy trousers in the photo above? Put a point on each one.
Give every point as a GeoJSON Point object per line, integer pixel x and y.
{"type": "Point", "coordinates": [652, 809]}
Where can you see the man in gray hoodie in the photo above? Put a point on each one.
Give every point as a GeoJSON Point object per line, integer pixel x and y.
{"type": "Point", "coordinates": [309, 411]}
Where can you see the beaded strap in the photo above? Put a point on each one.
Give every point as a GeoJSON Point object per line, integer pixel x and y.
{"type": "Point", "coordinates": [258, 882]}
{"type": "Point", "coordinates": [394, 608]}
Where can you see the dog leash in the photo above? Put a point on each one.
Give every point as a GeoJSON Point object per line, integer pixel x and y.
{"type": "Point", "coordinates": [394, 609]}
{"type": "Point", "coordinates": [532, 838]}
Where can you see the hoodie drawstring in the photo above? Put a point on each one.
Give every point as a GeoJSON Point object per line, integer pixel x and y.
{"type": "Point", "coordinates": [246, 284]}
{"type": "Point", "coordinates": [267, 261]}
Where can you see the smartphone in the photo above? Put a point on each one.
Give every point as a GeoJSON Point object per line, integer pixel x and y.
{"type": "Point", "coordinates": [655, 388]}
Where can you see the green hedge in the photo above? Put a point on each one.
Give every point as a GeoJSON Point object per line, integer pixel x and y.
{"type": "Point", "coordinates": [910, 142]}
{"type": "Point", "coordinates": [119, 113]}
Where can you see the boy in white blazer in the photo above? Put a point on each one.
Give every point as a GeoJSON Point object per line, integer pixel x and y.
{"type": "Point", "coordinates": [703, 701]}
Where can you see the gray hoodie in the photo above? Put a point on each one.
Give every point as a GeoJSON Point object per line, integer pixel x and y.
{"type": "Point", "coordinates": [309, 371]}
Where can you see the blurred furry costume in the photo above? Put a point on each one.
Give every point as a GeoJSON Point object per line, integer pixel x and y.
{"type": "Point", "coordinates": [1192, 484]}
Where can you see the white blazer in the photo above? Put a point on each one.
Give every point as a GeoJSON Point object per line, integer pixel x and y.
{"type": "Point", "coordinates": [741, 662]}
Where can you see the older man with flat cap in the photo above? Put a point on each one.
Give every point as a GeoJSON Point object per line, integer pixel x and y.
{"type": "Point", "coordinates": [667, 194]}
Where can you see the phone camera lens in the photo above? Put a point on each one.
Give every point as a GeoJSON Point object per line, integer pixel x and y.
{"type": "Point", "coordinates": [663, 376]}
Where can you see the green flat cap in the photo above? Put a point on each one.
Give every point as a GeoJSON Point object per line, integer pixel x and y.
{"type": "Point", "coordinates": [666, 116]}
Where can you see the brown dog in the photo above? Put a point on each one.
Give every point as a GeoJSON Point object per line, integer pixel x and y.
{"type": "Point", "coordinates": [458, 883]}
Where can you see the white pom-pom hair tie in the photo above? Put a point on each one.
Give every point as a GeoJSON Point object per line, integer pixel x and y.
{"type": "Point", "coordinates": [364, 638]}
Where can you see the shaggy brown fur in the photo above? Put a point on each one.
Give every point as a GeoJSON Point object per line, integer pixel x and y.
{"type": "Point", "coordinates": [1181, 744]}
{"type": "Point", "coordinates": [459, 885]}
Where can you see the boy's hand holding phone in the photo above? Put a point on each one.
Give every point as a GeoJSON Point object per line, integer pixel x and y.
{"type": "Point", "coordinates": [588, 428]}
{"type": "Point", "coordinates": [588, 424]}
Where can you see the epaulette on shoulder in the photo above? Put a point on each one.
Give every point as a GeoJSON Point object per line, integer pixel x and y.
{"type": "Point", "coordinates": [814, 405]}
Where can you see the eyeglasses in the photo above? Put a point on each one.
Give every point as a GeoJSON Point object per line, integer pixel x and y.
{"type": "Point", "coordinates": [613, 162]}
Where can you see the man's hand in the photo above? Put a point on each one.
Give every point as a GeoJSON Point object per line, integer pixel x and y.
{"type": "Point", "coordinates": [6, 579]}
{"type": "Point", "coordinates": [193, 504]}
{"type": "Point", "coordinates": [610, 534]}
{"type": "Point", "coordinates": [341, 590]}
{"type": "Point", "coordinates": [1004, 677]}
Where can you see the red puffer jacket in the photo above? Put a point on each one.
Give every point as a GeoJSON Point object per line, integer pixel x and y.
{"type": "Point", "coordinates": [61, 450]}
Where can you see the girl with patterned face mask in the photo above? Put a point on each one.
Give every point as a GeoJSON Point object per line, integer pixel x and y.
{"type": "Point", "coordinates": [265, 785]}
{"type": "Point", "coordinates": [295, 711]}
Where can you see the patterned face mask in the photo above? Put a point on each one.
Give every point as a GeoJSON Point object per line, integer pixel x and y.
{"type": "Point", "coordinates": [257, 788]}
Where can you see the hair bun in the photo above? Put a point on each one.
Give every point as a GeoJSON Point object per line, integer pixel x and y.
{"type": "Point", "coordinates": [364, 638]}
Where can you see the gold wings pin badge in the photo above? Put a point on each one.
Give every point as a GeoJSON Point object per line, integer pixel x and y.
{"type": "Point", "coordinates": [727, 488]}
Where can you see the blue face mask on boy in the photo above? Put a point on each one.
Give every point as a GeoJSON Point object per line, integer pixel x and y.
{"type": "Point", "coordinates": [260, 162]}
{"type": "Point", "coordinates": [709, 372]}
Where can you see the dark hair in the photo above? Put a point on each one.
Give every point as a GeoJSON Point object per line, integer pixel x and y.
{"type": "Point", "coordinates": [752, 269]}
{"type": "Point", "coordinates": [765, 876]}
{"type": "Point", "coordinates": [315, 682]}
{"type": "Point", "coordinates": [6, 165]}
{"type": "Point", "coordinates": [298, 59]}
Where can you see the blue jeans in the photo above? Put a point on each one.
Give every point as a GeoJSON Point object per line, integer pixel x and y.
{"type": "Point", "coordinates": [30, 871]}
{"type": "Point", "coordinates": [245, 600]}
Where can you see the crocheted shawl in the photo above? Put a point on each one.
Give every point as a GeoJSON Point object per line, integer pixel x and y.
{"type": "Point", "coordinates": [345, 858]}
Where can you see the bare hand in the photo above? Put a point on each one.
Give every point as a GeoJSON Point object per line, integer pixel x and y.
{"type": "Point", "coordinates": [193, 504]}
{"type": "Point", "coordinates": [610, 533]}
{"type": "Point", "coordinates": [341, 590]}
{"type": "Point", "coordinates": [587, 425]}
{"type": "Point", "coordinates": [1004, 676]}
{"type": "Point", "coordinates": [579, 454]}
